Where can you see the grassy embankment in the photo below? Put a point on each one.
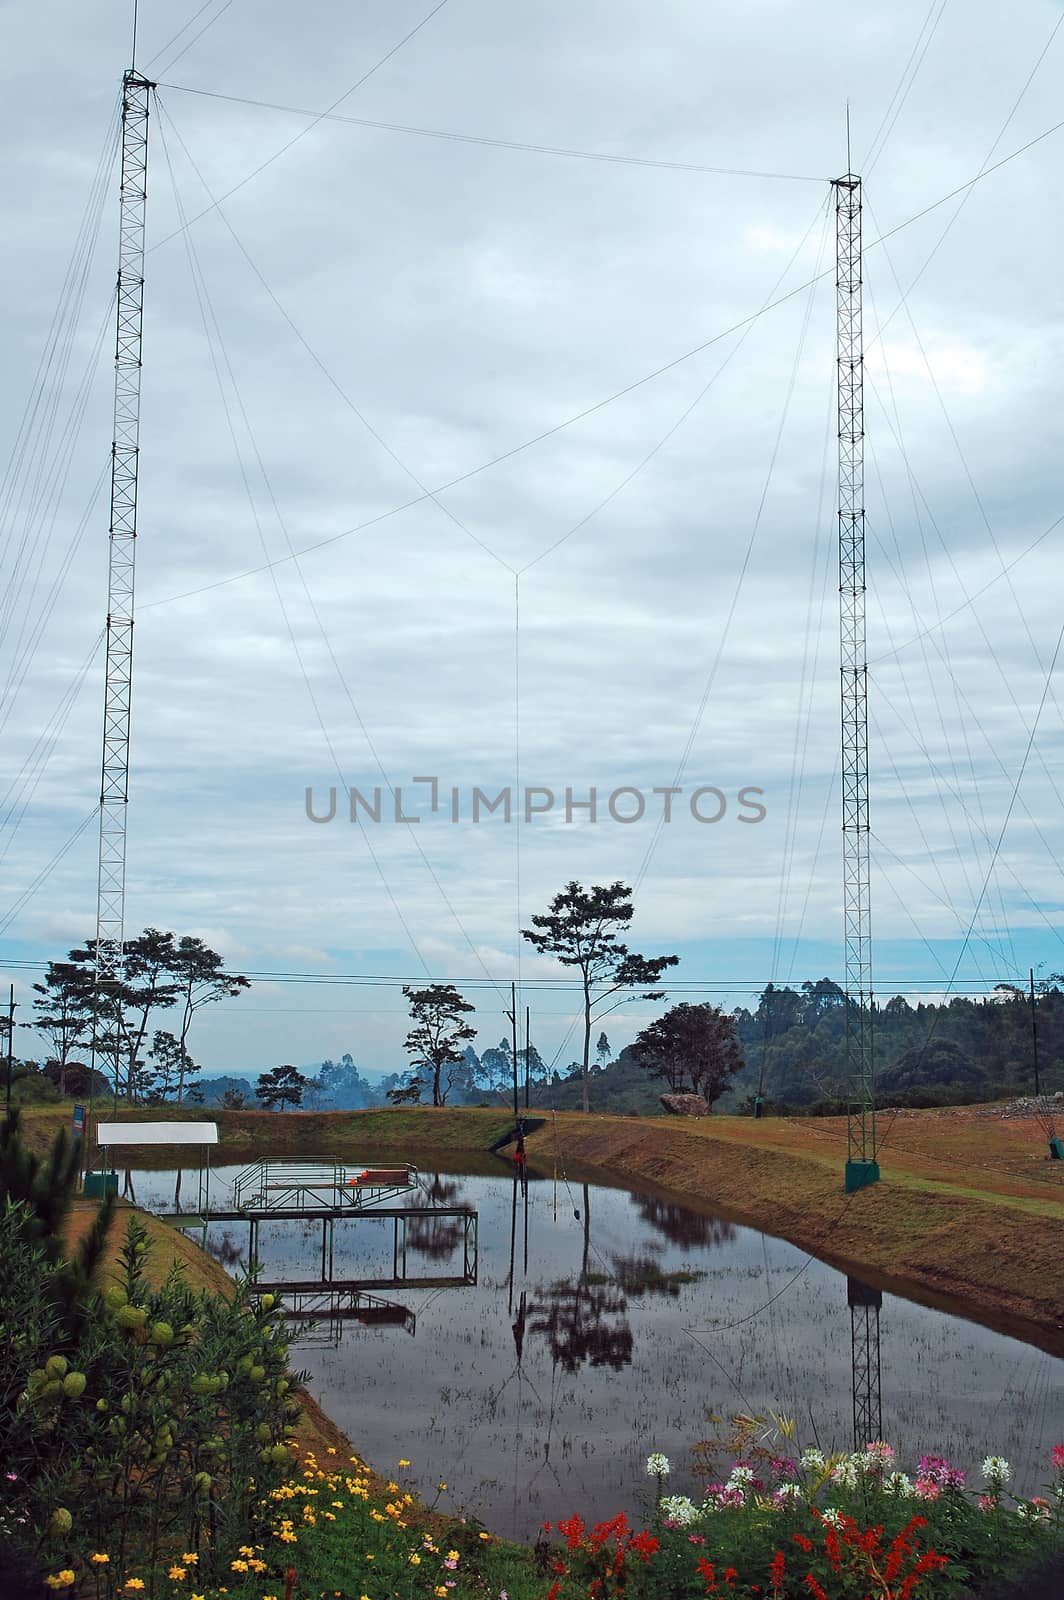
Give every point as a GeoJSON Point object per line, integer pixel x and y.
{"type": "Point", "coordinates": [969, 1214]}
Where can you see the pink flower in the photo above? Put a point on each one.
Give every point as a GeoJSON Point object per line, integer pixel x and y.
{"type": "Point", "coordinates": [927, 1489]}
{"type": "Point", "coordinates": [1058, 1458]}
{"type": "Point", "coordinates": [987, 1502]}
{"type": "Point", "coordinates": [937, 1469]}
{"type": "Point", "coordinates": [695, 1538]}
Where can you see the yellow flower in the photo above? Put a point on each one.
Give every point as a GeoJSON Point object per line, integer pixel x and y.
{"type": "Point", "coordinates": [197, 1597]}
{"type": "Point", "coordinates": [452, 1555]}
{"type": "Point", "coordinates": [441, 1486]}
{"type": "Point", "coordinates": [403, 1462]}
{"type": "Point", "coordinates": [257, 1566]}
{"type": "Point", "coordinates": [60, 1580]}
{"type": "Point", "coordinates": [176, 1572]}
{"type": "Point", "coordinates": [415, 1560]}
{"type": "Point", "coordinates": [100, 1558]}
{"type": "Point", "coordinates": [190, 1558]}
{"type": "Point", "coordinates": [133, 1583]}
{"type": "Point", "coordinates": [483, 1535]}
{"type": "Point", "coordinates": [331, 1451]}
{"type": "Point", "coordinates": [287, 1536]}
{"type": "Point", "coordinates": [441, 1591]}
{"type": "Point", "coordinates": [245, 1550]}
{"type": "Point", "coordinates": [239, 1566]}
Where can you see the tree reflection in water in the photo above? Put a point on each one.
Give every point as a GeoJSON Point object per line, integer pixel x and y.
{"type": "Point", "coordinates": [583, 1320]}
{"type": "Point", "coordinates": [684, 1227]}
{"type": "Point", "coordinates": [434, 1236]}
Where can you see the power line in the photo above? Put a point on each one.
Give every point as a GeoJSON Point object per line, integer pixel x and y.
{"type": "Point", "coordinates": [319, 117]}
{"type": "Point", "coordinates": [493, 143]}
{"type": "Point", "coordinates": [195, 37]}
{"type": "Point", "coordinates": [598, 405]}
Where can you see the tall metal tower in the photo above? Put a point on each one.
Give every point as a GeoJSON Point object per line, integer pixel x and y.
{"type": "Point", "coordinates": [125, 463]}
{"type": "Point", "coordinates": [861, 1165]}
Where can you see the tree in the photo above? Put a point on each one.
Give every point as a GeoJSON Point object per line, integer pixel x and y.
{"type": "Point", "coordinates": [123, 1014]}
{"type": "Point", "coordinates": [531, 1065]}
{"type": "Point", "coordinates": [602, 1050]}
{"type": "Point", "coordinates": [694, 1048]}
{"type": "Point", "coordinates": [580, 930]}
{"type": "Point", "coordinates": [436, 1042]}
{"type": "Point", "coordinates": [280, 1087]}
{"type": "Point", "coordinates": [404, 1094]}
{"type": "Point", "coordinates": [234, 1100]}
{"type": "Point", "coordinates": [64, 1013]}
{"type": "Point", "coordinates": [200, 977]}
{"type": "Point", "coordinates": [172, 1064]}
{"type": "Point", "coordinates": [496, 1064]}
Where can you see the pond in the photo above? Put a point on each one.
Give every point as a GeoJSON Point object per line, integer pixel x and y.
{"type": "Point", "coordinates": [606, 1324]}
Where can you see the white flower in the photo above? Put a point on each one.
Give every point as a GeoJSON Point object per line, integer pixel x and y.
{"type": "Point", "coordinates": [996, 1471]}
{"type": "Point", "coordinates": [658, 1465]}
{"type": "Point", "coordinates": [679, 1508]}
{"type": "Point", "coordinates": [846, 1471]}
{"type": "Point", "coordinates": [788, 1492]}
{"type": "Point", "coordinates": [741, 1477]}
{"type": "Point", "coordinates": [812, 1460]}
{"type": "Point", "coordinates": [833, 1516]}
{"type": "Point", "coordinates": [898, 1483]}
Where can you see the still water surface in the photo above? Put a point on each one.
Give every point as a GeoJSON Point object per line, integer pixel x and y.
{"type": "Point", "coordinates": [606, 1324]}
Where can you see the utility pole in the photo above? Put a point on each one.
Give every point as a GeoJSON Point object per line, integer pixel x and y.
{"type": "Point", "coordinates": [125, 465]}
{"type": "Point", "coordinates": [10, 1046]}
{"type": "Point", "coordinates": [528, 1056]}
{"type": "Point", "coordinates": [1034, 1036]}
{"type": "Point", "coordinates": [862, 1167]}
{"type": "Point", "coordinates": [512, 1016]}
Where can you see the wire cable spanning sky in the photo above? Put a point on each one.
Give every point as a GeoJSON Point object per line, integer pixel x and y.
{"type": "Point", "coordinates": [554, 270]}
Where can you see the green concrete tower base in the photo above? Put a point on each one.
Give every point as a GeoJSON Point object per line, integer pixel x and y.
{"type": "Point", "coordinates": [859, 1174]}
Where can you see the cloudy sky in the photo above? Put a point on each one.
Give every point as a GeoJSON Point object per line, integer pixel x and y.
{"type": "Point", "coordinates": [466, 455]}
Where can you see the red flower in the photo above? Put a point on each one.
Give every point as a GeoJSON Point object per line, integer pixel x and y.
{"type": "Point", "coordinates": [552, 1592]}
{"type": "Point", "coordinates": [814, 1588]}
{"type": "Point", "coordinates": [730, 1576]}
{"type": "Point", "coordinates": [708, 1572]}
{"type": "Point", "coordinates": [800, 1539]}
{"type": "Point", "coordinates": [573, 1531]}
{"type": "Point", "coordinates": [644, 1544]}
{"type": "Point", "coordinates": [776, 1572]}
{"type": "Point", "coordinates": [928, 1562]}
{"type": "Point", "coordinates": [603, 1531]}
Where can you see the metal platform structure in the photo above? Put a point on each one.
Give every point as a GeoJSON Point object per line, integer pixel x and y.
{"type": "Point", "coordinates": [313, 1303]}
{"type": "Point", "coordinates": [331, 1192]}
{"type": "Point", "coordinates": [276, 1186]}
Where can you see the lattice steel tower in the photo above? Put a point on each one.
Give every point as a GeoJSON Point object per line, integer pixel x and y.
{"type": "Point", "coordinates": [125, 462]}
{"type": "Point", "coordinates": [861, 1165]}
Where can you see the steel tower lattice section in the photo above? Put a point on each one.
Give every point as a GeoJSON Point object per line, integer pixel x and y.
{"type": "Point", "coordinates": [865, 1304]}
{"type": "Point", "coordinates": [861, 1165]}
{"type": "Point", "coordinates": [125, 464]}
